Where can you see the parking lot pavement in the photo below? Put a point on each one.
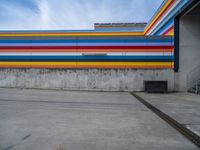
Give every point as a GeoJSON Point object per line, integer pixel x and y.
{"type": "Point", "coordinates": [183, 107]}
{"type": "Point", "coordinates": [48, 120]}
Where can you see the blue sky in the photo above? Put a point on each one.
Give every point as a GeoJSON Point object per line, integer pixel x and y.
{"type": "Point", "coordinates": [72, 14]}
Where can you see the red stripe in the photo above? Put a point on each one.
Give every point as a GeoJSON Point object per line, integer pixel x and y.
{"type": "Point", "coordinates": [86, 50]}
{"type": "Point", "coordinates": [167, 8]}
{"type": "Point", "coordinates": [86, 47]}
{"type": "Point", "coordinates": [171, 28]}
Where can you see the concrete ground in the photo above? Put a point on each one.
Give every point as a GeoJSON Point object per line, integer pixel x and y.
{"type": "Point", "coordinates": [183, 107]}
{"type": "Point", "coordinates": [48, 120]}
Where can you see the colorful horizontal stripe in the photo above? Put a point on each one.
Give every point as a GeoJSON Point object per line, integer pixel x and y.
{"type": "Point", "coordinates": [144, 65]}
{"type": "Point", "coordinates": [87, 58]}
{"type": "Point", "coordinates": [70, 34]}
{"type": "Point", "coordinates": [85, 47]}
{"type": "Point", "coordinates": [121, 40]}
{"type": "Point", "coordinates": [87, 52]}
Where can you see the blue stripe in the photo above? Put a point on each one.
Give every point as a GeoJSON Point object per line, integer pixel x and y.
{"type": "Point", "coordinates": [79, 58]}
{"type": "Point", "coordinates": [155, 14]}
{"type": "Point", "coordinates": [165, 28]}
{"type": "Point", "coordinates": [170, 16]}
{"type": "Point", "coordinates": [86, 44]}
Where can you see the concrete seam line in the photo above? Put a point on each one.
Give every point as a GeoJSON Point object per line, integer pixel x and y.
{"type": "Point", "coordinates": [64, 102]}
{"type": "Point", "coordinates": [190, 135]}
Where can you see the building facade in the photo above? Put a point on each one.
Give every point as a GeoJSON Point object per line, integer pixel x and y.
{"type": "Point", "coordinates": [112, 57]}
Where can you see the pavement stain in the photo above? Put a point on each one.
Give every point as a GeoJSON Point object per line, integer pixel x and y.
{"type": "Point", "coordinates": [8, 147]}
{"type": "Point", "coordinates": [12, 146]}
{"type": "Point", "coordinates": [61, 149]}
{"type": "Point", "coordinates": [26, 137]}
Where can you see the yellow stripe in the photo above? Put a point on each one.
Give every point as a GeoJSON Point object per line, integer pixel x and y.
{"type": "Point", "coordinates": [71, 34]}
{"type": "Point", "coordinates": [171, 33]}
{"type": "Point", "coordinates": [123, 63]}
{"type": "Point", "coordinates": [85, 63]}
{"type": "Point", "coordinates": [158, 15]}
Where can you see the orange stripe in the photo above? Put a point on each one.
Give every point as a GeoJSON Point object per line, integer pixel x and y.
{"type": "Point", "coordinates": [170, 32]}
{"type": "Point", "coordinates": [161, 15]}
{"type": "Point", "coordinates": [134, 66]}
{"type": "Point", "coordinates": [92, 32]}
{"type": "Point", "coordinates": [74, 34]}
{"type": "Point", "coordinates": [84, 67]}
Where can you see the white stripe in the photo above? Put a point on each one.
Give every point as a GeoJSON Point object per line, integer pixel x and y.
{"type": "Point", "coordinates": [150, 54]}
{"type": "Point", "coordinates": [155, 26]}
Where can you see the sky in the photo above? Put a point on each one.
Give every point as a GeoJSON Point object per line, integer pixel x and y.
{"type": "Point", "coordinates": [72, 14]}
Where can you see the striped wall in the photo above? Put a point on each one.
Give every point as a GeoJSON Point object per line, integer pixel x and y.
{"type": "Point", "coordinates": [84, 50]}
{"type": "Point", "coordinates": [151, 47]}
{"type": "Point", "coordinates": [162, 23]}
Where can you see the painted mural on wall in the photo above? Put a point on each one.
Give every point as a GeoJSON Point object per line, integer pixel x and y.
{"type": "Point", "coordinates": [148, 47]}
{"type": "Point", "coordinates": [86, 52]}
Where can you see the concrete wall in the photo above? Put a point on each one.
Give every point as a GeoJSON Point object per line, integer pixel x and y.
{"type": "Point", "coordinates": [189, 47]}
{"type": "Point", "coordinates": [84, 79]}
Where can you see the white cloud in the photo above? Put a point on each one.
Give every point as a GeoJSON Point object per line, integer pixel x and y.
{"type": "Point", "coordinates": [17, 17]}
{"type": "Point", "coordinates": [75, 14]}
{"type": "Point", "coordinates": [44, 14]}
